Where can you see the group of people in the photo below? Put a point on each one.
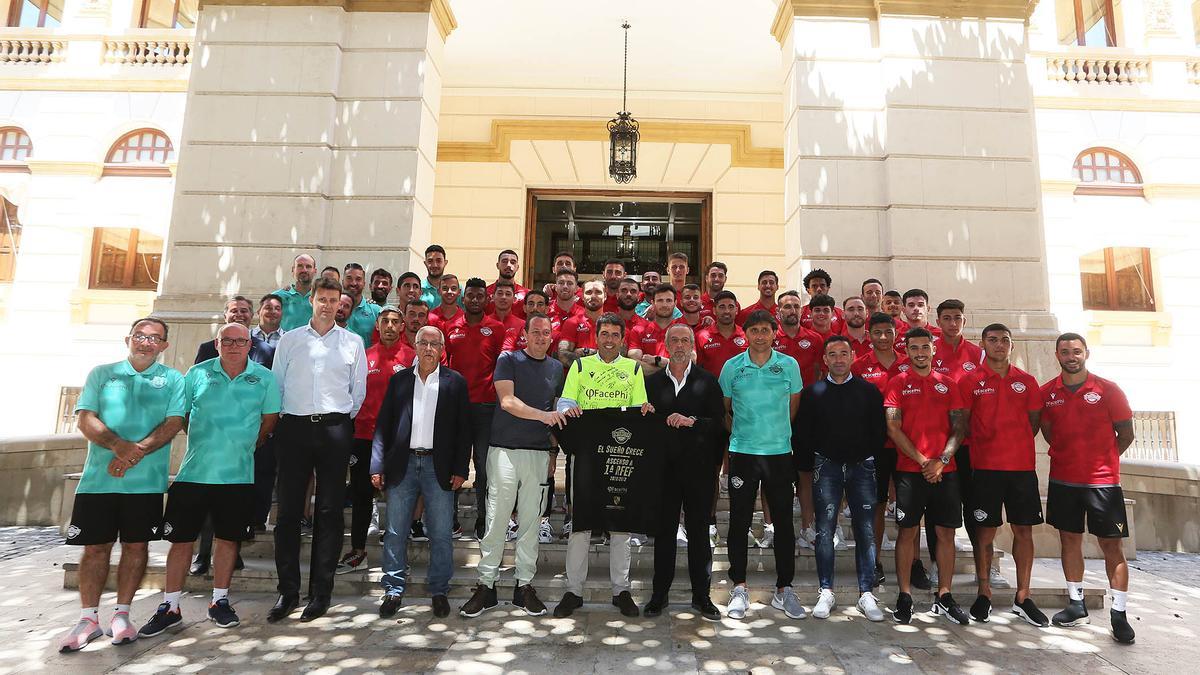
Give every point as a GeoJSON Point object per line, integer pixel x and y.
{"type": "Point", "coordinates": [866, 405]}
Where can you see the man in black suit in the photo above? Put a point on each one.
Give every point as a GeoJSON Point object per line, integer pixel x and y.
{"type": "Point", "coordinates": [238, 309]}
{"type": "Point", "coordinates": [691, 399]}
{"type": "Point", "coordinates": [421, 449]}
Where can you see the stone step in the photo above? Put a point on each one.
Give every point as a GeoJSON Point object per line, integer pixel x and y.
{"type": "Point", "coordinates": [552, 556]}
{"type": "Point", "coordinates": [259, 577]}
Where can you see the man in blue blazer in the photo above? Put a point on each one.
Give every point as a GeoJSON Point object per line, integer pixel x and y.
{"type": "Point", "coordinates": [421, 448]}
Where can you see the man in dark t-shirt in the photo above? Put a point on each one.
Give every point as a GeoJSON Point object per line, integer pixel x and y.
{"type": "Point", "coordinates": [526, 382]}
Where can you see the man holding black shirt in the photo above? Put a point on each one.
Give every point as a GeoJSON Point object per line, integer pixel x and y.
{"type": "Point", "coordinates": [840, 425]}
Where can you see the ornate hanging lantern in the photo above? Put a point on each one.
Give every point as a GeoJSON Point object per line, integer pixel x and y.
{"type": "Point", "coordinates": [623, 132]}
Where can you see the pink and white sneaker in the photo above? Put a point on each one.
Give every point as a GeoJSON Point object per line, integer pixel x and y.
{"type": "Point", "coordinates": [84, 632]}
{"type": "Point", "coordinates": [122, 630]}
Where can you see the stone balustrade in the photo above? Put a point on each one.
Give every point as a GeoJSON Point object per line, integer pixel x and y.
{"type": "Point", "coordinates": [147, 52]}
{"type": "Point", "coordinates": [1098, 68]}
{"type": "Point", "coordinates": [28, 48]}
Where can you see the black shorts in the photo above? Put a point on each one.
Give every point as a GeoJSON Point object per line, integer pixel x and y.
{"type": "Point", "coordinates": [1016, 491]}
{"type": "Point", "coordinates": [939, 502]}
{"type": "Point", "coordinates": [190, 504]}
{"type": "Point", "coordinates": [102, 518]}
{"type": "Point", "coordinates": [885, 468]}
{"type": "Point", "coordinates": [1104, 507]}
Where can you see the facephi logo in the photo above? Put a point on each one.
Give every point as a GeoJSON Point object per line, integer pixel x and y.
{"type": "Point", "coordinates": [941, 388]}
{"type": "Point", "coordinates": [621, 435]}
{"type": "Point", "coordinates": [1092, 397]}
{"type": "Point", "coordinates": [1018, 387]}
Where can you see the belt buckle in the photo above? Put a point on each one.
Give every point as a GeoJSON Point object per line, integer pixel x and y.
{"type": "Point", "coordinates": [315, 419]}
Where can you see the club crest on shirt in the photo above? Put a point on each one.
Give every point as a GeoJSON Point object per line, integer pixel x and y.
{"type": "Point", "coordinates": [253, 379]}
{"type": "Point", "coordinates": [1092, 397]}
{"type": "Point", "coordinates": [739, 341]}
{"type": "Point", "coordinates": [397, 367]}
{"type": "Point", "coordinates": [804, 344]}
{"type": "Point", "coordinates": [776, 369]}
{"type": "Point", "coordinates": [968, 366]}
{"type": "Point", "coordinates": [941, 388]}
{"type": "Point", "coordinates": [621, 435]}
{"type": "Point", "coordinates": [158, 382]}
{"type": "Point", "coordinates": [1018, 387]}
{"type": "Point", "coordinates": [485, 331]}
{"type": "Point", "coordinates": [903, 368]}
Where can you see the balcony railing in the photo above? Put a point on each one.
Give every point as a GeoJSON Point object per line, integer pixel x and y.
{"type": "Point", "coordinates": [1098, 69]}
{"type": "Point", "coordinates": [1154, 436]}
{"type": "Point", "coordinates": [22, 50]}
{"type": "Point", "coordinates": [148, 52]}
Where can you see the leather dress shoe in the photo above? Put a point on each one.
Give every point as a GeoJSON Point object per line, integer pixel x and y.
{"type": "Point", "coordinates": [655, 606]}
{"type": "Point", "coordinates": [390, 605]}
{"type": "Point", "coordinates": [316, 608]}
{"type": "Point", "coordinates": [199, 566]}
{"type": "Point", "coordinates": [283, 606]}
{"type": "Point", "coordinates": [441, 606]}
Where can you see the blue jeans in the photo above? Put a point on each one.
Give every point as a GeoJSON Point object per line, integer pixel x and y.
{"type": "Point", "coordinates": [419, 480]}
{"type": "Point", "coordinates": [857, 481]}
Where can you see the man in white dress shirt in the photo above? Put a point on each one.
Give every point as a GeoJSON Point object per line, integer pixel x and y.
{"type": "Point", "coordinates": [321, 369]}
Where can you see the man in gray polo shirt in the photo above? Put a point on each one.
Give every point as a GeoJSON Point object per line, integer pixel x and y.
{"type": "Point", "coordinates": [526, 382]}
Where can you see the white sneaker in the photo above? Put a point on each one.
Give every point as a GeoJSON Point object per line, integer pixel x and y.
{"type": "Point", "coordinates": [739, 602]}
{"type": "Point", "coordinates": [751, 540]}
{"type": "Point", "coordinates": [788, 603]}
{"type": "Point", "coordinates": [825, 604]}
{"type": "Point", "coordinates": [713, 538]}
{"type": "Point", "coordinates": [807, 538]}
{"type": "Point", "coordinates": [839, 544]}
{"type": "Point", "coordinates": [960, 545]}
{"type": "Point", "coordinates": [888, 544]}
{"type": "Point", "coordinates": [846, 511]}
{"type": "Point", "coordinates": [997, 580]}
{"type": "Point", "coordinates": [680, 536]}
{"type": "Point", "coordinates": [511, 533]}
{"type": "Point", "coordinates": [869, 606]}
{"type": "Point", "coordinates": [545, 532]}
{"type": "Point", "coordinates": [637, 539]}
{"type": "Point", "coordinates": [373, 529]}
{"type": "Point", "coordinates": [768, 538]}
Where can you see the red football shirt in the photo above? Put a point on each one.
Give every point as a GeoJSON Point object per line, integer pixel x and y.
{"type": "Point", "coordinates": [837, 322]}
{"type": "Point", "coordinates": [805, 348]}
{"type": "Point", "coordinates": [902, 328]}
{"type": "Point", "coordinates": [578, 330]}
{"type": "Point", "coordinates": [472, 351]}
{"type": "Point", "coordinates": [1001, 439]}
{"type": "Point", "coordinates": [518, 307]}
{"type": "Point", "coordinates": [954, 361]}
{"type": "Point", "coordinates": [870, 369]}
{"type": "Point", "coordinates": [714, 349]}
{"type": "Point", "coordinates": [1084, 447]}
{"type": "Point", "coordinates": [648, 337]}
{"type": "Point", "coordinates": [745, 313]}
{"type": "Point", "coordinates": [382, 363]}
{"type": "Point", "coordinates": [438, 321]}
{"type": "Point", "coordinates": [861, 347]}
{"type": "Point", "coordinates": [513, 328]}
{"type": "Point", "coordinates": [610, 305]}
{"type": "Point", "coordinates": [558, 315]}
{"type": "Point", "coordinates": [925, 404]}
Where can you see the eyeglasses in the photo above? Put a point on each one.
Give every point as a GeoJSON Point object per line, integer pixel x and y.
{"type": "Point", "coordinates": [235, 342]}
{"type": "Point", "coordinates": [428, 345]}
{"type": "Point", "coordinates": [142, 338]}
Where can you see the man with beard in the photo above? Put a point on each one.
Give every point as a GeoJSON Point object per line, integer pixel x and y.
{"type": "Point", "coordinates": [650, 281]}
{"type": "Point", "coordinates": [817, 282]}
{"type": "Point", "coordinates": [577, 335]}
{"type": "Point", "coordinates": [714, 278]}
{"type": "Point", "coordinates": [690, 397]}
{"type": "Point", "coordinates": [381, 286]}
{"type": "Point", "coordinates": [647, 342]}
{"type": "Point", "coordinates": [795, 340]}
{"type": "Point", "coordinates": [693, 311]}
{"type": "Point", "coordinates": [872, 295]}
{"type": "Point", "coordinates": [627, 299]}
{"type": "Point", "coordinates": [344, 308]}
{"type": "Point", "coordinates": [473, 343]}
{"type": "Point", "coordinates": [768, 284]}
{"type": "Point", "coordinates": [1088, 423]}
{"type": "Point", "coordinates": [362, 313]}
{"type": "Point", "coordinates": [854, 325]}
{"type": "Point", "coordinates": [503, 297]}
{"type": "Point", "coordinates": [562, 260]}
{"type": "Point", "coordinates": [506, 268]}
{"type": "Point", "coordinates": [431, 285]}
{"type": "Point", "coordinates": [614, 274]}
{"type": "Point", "coordinates": [449, 309]}
{"type": "Point", "coordinates": [297, 308]}
{"type": "Point", "coordinates": [565, 291]}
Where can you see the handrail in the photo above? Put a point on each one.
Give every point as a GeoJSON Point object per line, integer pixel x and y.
{"type": "Point", "coordinates": [143, 52]}
{"type": "Point", "coordinates": [32, 50]}
{"type": "Point", "coordinates": [1098, 68]}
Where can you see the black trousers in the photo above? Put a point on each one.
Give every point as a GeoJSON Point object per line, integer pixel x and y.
{"type": "Point", "coordinates": [481, 433]}
{"type": "Point", "coordinates": [962, 460]}
{"type": "Point", "coordinates": [304, 447]}
{"type": "Point", "coordinates": [688, 485]}
{"type": "Point", "coordinates": [777, 475]}
{"type": "Point", "coordinates": [362, 493]}
{"type": "Point", "coordinates": [264, 480]}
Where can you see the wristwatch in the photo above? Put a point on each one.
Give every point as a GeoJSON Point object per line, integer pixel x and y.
{"type": "Point", "coordinates": [657, 361]}
{"type": "Point", "coordinates": [946, 459]}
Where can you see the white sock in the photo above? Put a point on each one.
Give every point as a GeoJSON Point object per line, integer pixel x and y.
{"type": "Point", "coordinates": [172, 599]}
{"type": "Point", "coordinates": [122, 609]}
{"type": "Point", "coordinates": [91, 613]}
{"type": "Point", "coordinates": [1118, 599]}
{"type": "Point", "coordinates": [219, 594]}
{"type": "Point", "coordinates": [1075, 590]}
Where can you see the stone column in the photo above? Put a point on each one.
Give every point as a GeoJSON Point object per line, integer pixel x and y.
{"type": "Point", "coordinates": [911, 156]}
{"type": "Point", "coordinates": [310, 127]}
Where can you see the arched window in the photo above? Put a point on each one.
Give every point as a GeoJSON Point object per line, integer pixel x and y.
{"type": "Point", "coordinates": [15, 145]}
{"type": "Point", "coordinates": [1106, 171]}
{"type": "Point", "coordinates": [144, 152]}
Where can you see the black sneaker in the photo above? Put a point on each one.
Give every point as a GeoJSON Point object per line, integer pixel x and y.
{"type": "Point", "coordinates": [569, 603]}
{"type": "Point", "coordinates": [904, 607]}
{"type": "Point", "coordinates": [918, 579]}
{"type": "Point", "coordinates": [222, 614]}
{"type": "Point", "coordinates": [708, 611]}
{"type": "Point", "coordinates": [981, 611]}
{"type": "Point", "coordinates": [483, 599]}
{"type": "Point", "coordinates": [946, 605]}
{"type": "Point", "coordinates": [1075, 614]}
{"type": "Point", "coordinates": [163, 619]}
{"type": "Point", "coordinates": [418, 532]}
{"type": "Point", "coordinates": [655, 606]}
{"type": "Point", "coordinates": [526, 598]}
{"type": "Point", "coordinates": [1121, 630]}
{"type": "Point", "coordinates": [1029, 611]}
{"type": "Point", "coordinates": [879, 576]}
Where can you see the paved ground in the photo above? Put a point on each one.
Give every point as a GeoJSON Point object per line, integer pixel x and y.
{"type": "Point", "coordinates": [35, 611]}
